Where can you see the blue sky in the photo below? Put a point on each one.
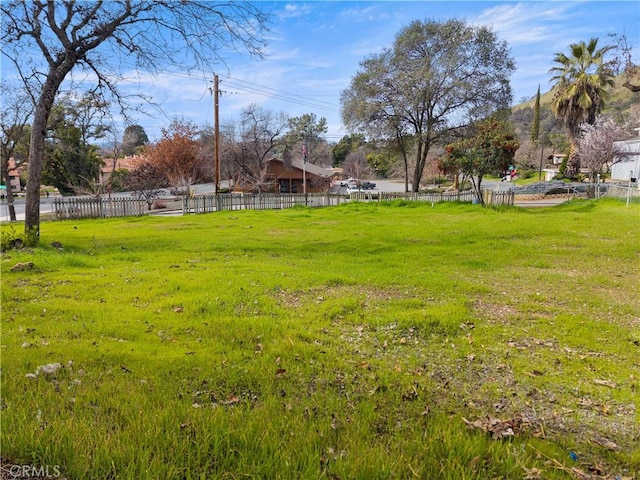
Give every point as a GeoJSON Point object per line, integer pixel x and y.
{"type": "Point", "coordinates": [315, 47]}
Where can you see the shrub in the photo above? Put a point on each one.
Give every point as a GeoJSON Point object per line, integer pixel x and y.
{"type": "Point", "coordinates": [10, 239]}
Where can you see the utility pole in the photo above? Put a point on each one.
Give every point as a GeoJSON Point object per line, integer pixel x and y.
{"type": "Point", "coordinates": [216, 123]}
{"type": "Point", "coordinates": [304, 167]}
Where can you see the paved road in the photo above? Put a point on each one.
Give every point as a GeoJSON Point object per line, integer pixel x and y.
{"type": "Point", "coordinates": [45, 207]}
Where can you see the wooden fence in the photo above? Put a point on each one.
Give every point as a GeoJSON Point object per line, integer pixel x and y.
{"type": "Point", "coordinates": [72, 208]}
{"type": "Point", "coordinates": [258, 201]}
{"type": "Point", "coordinates": [271, 201]}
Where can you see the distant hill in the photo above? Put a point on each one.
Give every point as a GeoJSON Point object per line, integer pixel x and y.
{"type": "Point", "coordinates": [621, 100]}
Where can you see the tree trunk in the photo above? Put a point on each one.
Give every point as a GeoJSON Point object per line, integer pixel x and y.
{"type": "Point", "coordinates": [415, 185]}
{"type": "Point", "coordinates": [478, 186]}
{"type": "Point", "coordinates": [417, 172]}
{"type": "Point", "coordinates": [36, 150]}
{"type": "Point", "coordinates": [10, 204]}
{"type": "Point", "coordinates": [573, 163]}
{"type": "Point", "coordinates": [406, 172]}
{"type": "Point", "coordinates": [421, 160]}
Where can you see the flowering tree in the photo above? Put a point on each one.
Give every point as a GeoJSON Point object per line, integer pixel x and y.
{"type": "Point", "coordinates": [596, 144]}
{"type": "Point", "coordinates": [490, 150]}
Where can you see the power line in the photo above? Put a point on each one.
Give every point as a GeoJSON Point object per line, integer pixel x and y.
{"type": "Point", "coordinates": [249, 87]}
{"type": "Point", "coordinates": [291, 100]}
{"type": "Point", "coordinates": [305, 100]}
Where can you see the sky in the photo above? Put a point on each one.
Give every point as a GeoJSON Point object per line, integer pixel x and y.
{"type": "Point", "coordinates": [314, 48]}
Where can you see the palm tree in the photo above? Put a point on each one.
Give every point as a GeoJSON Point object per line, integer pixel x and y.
{"type": "Point", "coordinates": [582, 80]}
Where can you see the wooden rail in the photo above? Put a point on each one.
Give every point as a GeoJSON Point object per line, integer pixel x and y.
{"type": "Point", "coordinates": [72, 208]}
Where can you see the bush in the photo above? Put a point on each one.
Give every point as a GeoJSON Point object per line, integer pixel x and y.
{"type": "Point", "coordinates": [10, 239]}
{"type": "Point", "coordinates": [525, 173]}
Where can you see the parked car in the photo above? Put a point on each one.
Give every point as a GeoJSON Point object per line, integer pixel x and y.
{"type": "Point", "coordinates": [349, 182]}
{"type": "Point", "coordinates": [351, 189]}
{"type": "Point", "coordinates": [368, 185]}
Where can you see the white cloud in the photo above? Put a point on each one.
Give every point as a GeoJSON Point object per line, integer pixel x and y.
{"type": "Point", "coordinates": [372, 13]}
{"type": "Point", "coordinates": [293, 10]}
{"type": "Point", "coordinates": [525, 23]}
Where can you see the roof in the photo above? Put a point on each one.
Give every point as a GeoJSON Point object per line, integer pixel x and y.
{"type": "Point", "coordinates": [127, 163]}
{"type": "Point", "coordinates": [308, 167]}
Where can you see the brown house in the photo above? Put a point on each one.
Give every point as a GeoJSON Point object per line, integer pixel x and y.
{"type": "Point", "coordinates": [282, 177]}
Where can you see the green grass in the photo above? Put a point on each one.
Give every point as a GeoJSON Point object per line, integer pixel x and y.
{"type": "Point", "coordinates": [361, 341]}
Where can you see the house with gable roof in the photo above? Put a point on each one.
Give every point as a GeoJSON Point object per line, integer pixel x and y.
{"type": "Point", "coordinates": [289, 177]}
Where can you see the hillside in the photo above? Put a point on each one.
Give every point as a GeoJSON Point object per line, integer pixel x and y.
{"type": "Point", "coordinates": [621, 98]}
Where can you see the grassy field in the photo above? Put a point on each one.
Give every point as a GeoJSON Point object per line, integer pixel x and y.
{"type": "Point", "coordinates": [355, 342]}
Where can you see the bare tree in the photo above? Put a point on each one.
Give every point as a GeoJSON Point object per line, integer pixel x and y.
{"type": "Point", "coordinates": [259, 181]}
{"type": "Point", "coordinates": [262, 132]}
{"type": "Point", "coordinates": [247, 145]}
{"type": "Point", "coordinates": [115, 151]}
{"type": "Point", "coordinates": [15, 114]}
{"type": "Point", "coordinates": [47, 40]}
{"type": "Point", "coordinates": [146, 182]}
{"type": "Point", "coordinates": [623, 62]}
{"type": "Point", "coordinates": [355, 164]}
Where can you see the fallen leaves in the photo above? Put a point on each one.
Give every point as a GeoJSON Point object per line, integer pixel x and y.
{"type": "Point", "coordinates": [231, 400]}
{"type": "Point", "coordinates": [500, 428]}
{"type": "Point", "coordinates": [606, 443]}
{"type": "Point", "coordinates": [606, 383]}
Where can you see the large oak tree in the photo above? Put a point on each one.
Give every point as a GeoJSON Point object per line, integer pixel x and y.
{"type": "Point", "coordinates": [437, 78]}
{"type": "Point", "coordinates": [47, 40]}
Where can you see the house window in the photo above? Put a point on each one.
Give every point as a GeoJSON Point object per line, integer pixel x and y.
{"type": "Point", "coordinates": [284, 186]}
